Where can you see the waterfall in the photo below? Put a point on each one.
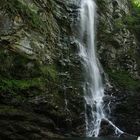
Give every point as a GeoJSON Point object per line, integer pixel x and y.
{"type": "Point", "coordinates": [93, 86]}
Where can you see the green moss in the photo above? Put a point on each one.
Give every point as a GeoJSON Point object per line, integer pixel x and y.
{"type": "Point", "coordinates": [118, 24]}
{"type": "Point", "coordinates": [19, 80]}
{"type": "Point", "coordinates": [15, 7]}
{"type": "Point", "coordinates": [12, 85]}
{"type": "Point", "coordinates": [50, 72]}
{"type": "Point", "coordinates": [123, 79]}
{"type": "Point", "coordinates": [132, 21]}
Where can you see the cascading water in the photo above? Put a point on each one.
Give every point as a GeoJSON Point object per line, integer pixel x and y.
{"type": "Point", "coordinates": [93, 88]}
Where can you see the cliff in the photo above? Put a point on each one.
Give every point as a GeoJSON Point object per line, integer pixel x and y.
{"type": "Point", "coordinates": [41, 74]}
{"type": "Point", "coordinates": [118, 51]}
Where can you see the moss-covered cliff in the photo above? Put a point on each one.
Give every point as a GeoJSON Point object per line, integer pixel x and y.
{"type": "Point", "coordinates": [40, 72]}
{"type": "Point", "coordinates": [38, 86]}
{"type": "Point", "coordinates": [118, 50]}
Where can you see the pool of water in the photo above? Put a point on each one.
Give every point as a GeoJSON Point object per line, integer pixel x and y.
{"type": "Point", "coordinates": [103, 138]}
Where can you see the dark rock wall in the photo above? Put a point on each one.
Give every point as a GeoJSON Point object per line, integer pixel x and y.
{"type": "Point", "coordinates": [118, 53]}
{"type": "Point", "coordinates": [39, 70]}
{"type": "Point", "coordinates": [41, 75]}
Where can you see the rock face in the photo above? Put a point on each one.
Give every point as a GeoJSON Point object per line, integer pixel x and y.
{"type": "Point", "coordinates": [118, 53]}
{"type": "Point", "coordinates": [117, 43]}
{"type": "Point", "coordinates": [39, 70]}
{"type": "Point", "coordinates": [41, 92]}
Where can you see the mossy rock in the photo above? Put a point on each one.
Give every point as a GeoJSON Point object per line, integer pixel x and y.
{"type": "Point", "coordinates": [16, 7]}
{"type": "Point", "coordinates": [124, 80]}
{"type": "Point", "coordinates": [50, 71]}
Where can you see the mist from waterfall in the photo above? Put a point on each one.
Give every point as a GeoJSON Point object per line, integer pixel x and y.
{"type": "Point", "coordinates": [93, 86]}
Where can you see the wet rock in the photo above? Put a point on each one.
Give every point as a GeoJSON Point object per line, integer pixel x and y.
{"type": "Point", "coordinates": [117, 48]}
{"type": "Point", "coordinates": [126, 135]}
{"type": "Point", "coordinates": [39, 57]}
{"type": "Point", "coordinates": [106, 129]}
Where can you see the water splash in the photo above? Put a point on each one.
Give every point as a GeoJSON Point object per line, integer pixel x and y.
{"type": "Point", "coordinates": [93, 87]}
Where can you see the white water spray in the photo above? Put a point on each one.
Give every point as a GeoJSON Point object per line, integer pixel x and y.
{"type": "Point", "coordinates": [93, 88]}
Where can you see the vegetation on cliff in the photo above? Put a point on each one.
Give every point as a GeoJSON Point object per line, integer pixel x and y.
{"type": "Point", "coordinates": [40, 71]}
{"type": "Point", "coordinates": [30, 16]}
{"type": "Point", "coordinates": [124, 80]}
{"type": "Point", "coordinates": [133, 21]}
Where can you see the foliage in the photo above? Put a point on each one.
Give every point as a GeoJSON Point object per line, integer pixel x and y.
{"type": "Point", "coordinates": [136, 2]}
{"type": "Point", "coordinates": [19, 75]}
{"type": "Point", "coordinates": [133, 21]}
{"type": "Point", "coordinates": [123, 79]}
{"type": "Point", "coordinates": [13, 85]}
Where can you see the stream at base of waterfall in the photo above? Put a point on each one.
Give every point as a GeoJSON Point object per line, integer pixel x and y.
{"type": "Point", "coordinates": [93, 85]}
